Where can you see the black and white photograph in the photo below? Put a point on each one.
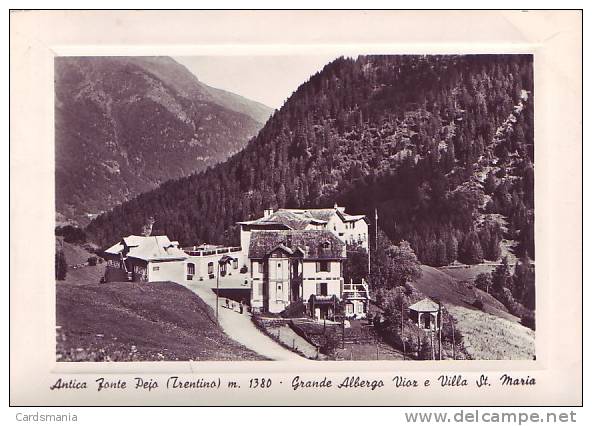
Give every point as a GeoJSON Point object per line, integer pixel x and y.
{"type": "Point", "coordinates": [296, 208]}
{"type": "Point", "coordinates": [367, 207]}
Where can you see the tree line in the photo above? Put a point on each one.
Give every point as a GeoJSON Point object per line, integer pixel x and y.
{"type": "Point", "coordinates": [412, 136]}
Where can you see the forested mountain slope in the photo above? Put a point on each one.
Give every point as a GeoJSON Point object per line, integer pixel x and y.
{"type": "Point", "coordinates": [442, 146]}
{"type": "Point", "coordinates": [124, 125]}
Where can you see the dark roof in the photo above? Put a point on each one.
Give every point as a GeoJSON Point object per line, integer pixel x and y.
{"type": "Point", "coordinates": [282, 218]}
{"type": "Point", "coordinates": [310, 242]}
{"type": "Point", "coordinates": [322, 214]}
{"type": "Point", "coordinates": [300, 218]}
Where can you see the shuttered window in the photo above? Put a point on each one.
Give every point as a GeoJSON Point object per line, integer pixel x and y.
{"type": "Point", "coordinates": [324, 266]}
{"type": "Point", "coordinates": [321, 289]}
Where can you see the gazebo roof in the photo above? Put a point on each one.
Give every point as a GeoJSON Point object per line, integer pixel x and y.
{"type": "Point", "coordinates": [425, 305]}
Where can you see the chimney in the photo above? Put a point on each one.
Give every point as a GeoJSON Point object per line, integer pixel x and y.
{"type": "Point", "coordinates": [147, 228]}
{"type": "Point", "coordinates": [267, 213]}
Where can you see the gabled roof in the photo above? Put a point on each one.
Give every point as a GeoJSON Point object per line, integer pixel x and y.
{"type": "Point", "coordinates": [301, 218]}
{"type": "Point", "coordinates": [283, 219]}
{"type": "Point", "coordinates": [115, 249]}
{"type": "Point", "coordinates": [153, 248]}
{"type": "Point", "coordinates": [310, 243]}
{"type": "Point", "coordinates": [324, 215]}
{"type": "Point", "coordinates": [425, 305]}
{"type": "Point", "coordinates": [354, 217]}
{"type": "Point", "coordinates": [133, 240]}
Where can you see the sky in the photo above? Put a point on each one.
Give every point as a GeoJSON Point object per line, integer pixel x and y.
{"type": "Point", "coordinates": [266, 79]}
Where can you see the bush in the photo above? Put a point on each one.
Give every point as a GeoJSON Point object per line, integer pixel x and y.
{"type": "Point", "coordinates": [425, 350]}
{"type": "Point", "coordinates": [92, 261]}
{"type": "Point", "coordinates": [478, 303]}
{"type": "Point", "coordinates": [61, 266]}
{"type": "Point", "coordinates": [71, 234]}
{"type": "Point", "coordinates": [244, 269]}
{"type": "Point", "coordinates": [330, 344]}
{"type": "Point", "coordinates": [528, 320]}
{"type": "Point", "coordinates": [294, 310]}
{"type": "Point", "coordinates": [483, 282]}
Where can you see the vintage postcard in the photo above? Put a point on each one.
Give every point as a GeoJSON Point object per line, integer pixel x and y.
{"type": "Point", "coordinates": [368, 219]}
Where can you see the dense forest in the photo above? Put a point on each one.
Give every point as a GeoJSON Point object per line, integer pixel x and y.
{"type": "Point", "coordinates": [441, 146]}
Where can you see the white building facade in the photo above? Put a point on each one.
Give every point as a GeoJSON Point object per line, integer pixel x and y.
{"type": "Point", "coordinates": [150, 259]}
{"type": "Point", "coordinates": [203, 262]}
{"type": "Point", "coordinates": [289, 266]}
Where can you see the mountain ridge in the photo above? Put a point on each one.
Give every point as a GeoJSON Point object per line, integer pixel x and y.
{"type": "Point", "coordinates": [402, 134]}
{"type": "Point", "coordinates": [124, 125]}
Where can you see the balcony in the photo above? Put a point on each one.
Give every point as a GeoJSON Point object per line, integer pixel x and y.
{"type": "Point", "coordinates": [356, 290]}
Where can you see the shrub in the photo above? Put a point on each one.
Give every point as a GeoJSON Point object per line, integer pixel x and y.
{"type": "Point", "coordinates": [294, 310]}
{"type": "Point", "coordinates": [478, 303]}
{"type": "Point", "coordinates": [330, 344]}
{"type": "Point", "coordinates": [61, 266]}
{"type": "Point", "coordinates": [425, 350]}
{"type": "Point", "coordinates": [244, 269]}
{"type": "Point", "coordinates": [92, 261]}
{"type": "Point", "coordinates": [528, 320]}
{"type": "Point", "coordinates": [71, 234]}
{"type": "Point", "coordinates": [483, 282]}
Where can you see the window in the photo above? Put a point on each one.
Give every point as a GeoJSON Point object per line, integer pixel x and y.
{"type": "Point", "coordinates": [190, 269]}
{"type": "Point", "coordinates": [155, 268]}
{"type": "Point", "coordinates": [321, 289]}
{"type": "Point", "coordinates": [350, 308]}
{"type": "Point", "coordinates": [210, 268]}
{"type": "Point", "coordinates": [260, 267]}
{"type": "Point", "coordinates": [323, 266]}
{"type": "Point", "coordinates": [234, 263]}
{"type": "Point", "coordinates": [360, 308]}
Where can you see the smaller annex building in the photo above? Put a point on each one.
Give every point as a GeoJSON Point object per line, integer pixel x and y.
{"type": "Point", "coordinates": [204, 262]}
{"type": "Point", "coordinates": [154, 258]}
{"type": "Point", "coordinates": [425, 314]}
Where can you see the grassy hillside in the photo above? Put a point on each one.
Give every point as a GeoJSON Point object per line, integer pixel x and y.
{"type": "Point", "coordinates": [138, 322]}
{"type": "Point", "coordinates": [436, 284]}
{"type": "Point", "coordinates": [490, 333]}
{"type": "Point", "coordinates": [79, 272]}
{"type": "Point", "coordinates": [467, 273]}
{"type": "Point", "coordinates": [487, 336]}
